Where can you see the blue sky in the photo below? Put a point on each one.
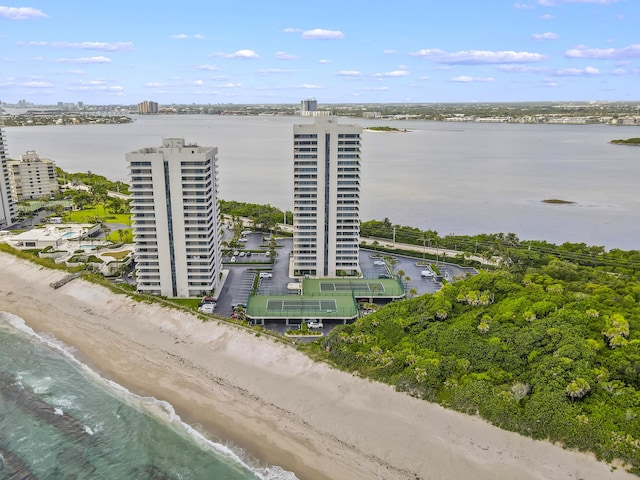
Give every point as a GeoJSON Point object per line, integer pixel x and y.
{"type": "Point", "coordinates": [349, 51]}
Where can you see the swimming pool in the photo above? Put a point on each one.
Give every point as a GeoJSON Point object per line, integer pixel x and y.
{"type": "Point", "coordinates": [68, 235]}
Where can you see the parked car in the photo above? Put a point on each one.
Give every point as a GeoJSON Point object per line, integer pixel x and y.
{"type": "Point", "coordinates": [236, 252]}
{"type": "Point", "coordinates": [242, 239]}
{"type": "Point", "coordinates": [266, 275]}
{"type": "Point", "coordinates": [384, 275]}
{"type": "Point", "coordinates": [207, 307]}
{"type": "Point", "coordinates": [314, 324]}
{"type": "Point", "coordinates": [242, 254]}
{"type": "Point", "coordinates": [426, 273]}
{"type": "Point", "coordinates": [379, 263]}
{"type": "Point", "coordinates": [233, 259]}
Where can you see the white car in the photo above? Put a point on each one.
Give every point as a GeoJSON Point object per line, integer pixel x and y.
{"type": "Point", "coordinates": [426, 273]}
{"type": "Point", "coordinates": [379, 263]}
{"type": "Point", "coordinates": [236, 253]}
{"type": "Point", "coordinates": [207, 307]}
{"type": "Point", "coordinates": [242, 254]}
{"type": "Point", "coordinates": [266, 275]}
{"type": "Point", "coordinates": [314, 324]}
{"type": "Point", "coordinates": [233, 259]}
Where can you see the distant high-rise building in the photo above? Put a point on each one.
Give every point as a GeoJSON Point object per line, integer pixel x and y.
{"type": "Point", "coordinates": [147, 108]}
{"type": "Point", "coordinates": [7, 207]}
{"type": "Point", "coordinates": [309, 105]}
{"type": "Point", "coordinates": [176, 218]}
{"type": "Point", "coordinates": [32, 177]}
{"type": "Point", "coordinates": [326, 224]}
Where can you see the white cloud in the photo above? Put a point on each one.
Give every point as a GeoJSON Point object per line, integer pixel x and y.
{"type": "Point", "coordinates": [21, 13]}
{"type": "Point", "coordinates": [85, 60]}
{"type": "Point", "coordinates": [389, 51]}
{"type": "Point", "coordinates": [545, 36]}
{"type": "Point", "coordinates": [478, 57]}
{"type": "Point", "coordinates": [324, 61]}
{"type": "Point", "coordinates": [184, 36]}
{"type": "Point", "coordinates": [321, 34]}
{"type": "Point", "coordinates": [522, 69]}
{"type": "Point", "coordinates": [290, 30]}
{"type": "Point", "coordinates": [286, 56]}
{"type": "Point", "coordinates": [246, 54]}
{"type": "Point", "coordinates": [523, 6]}
{"type": "Point", "coordinates": [309, 86]}
{"type": "Point", "coordinates": [467, 79]}
{"type": "Point", "coordinates": [376, 89]}
{"type": "Point", "coordinates": [576, 72]}
{"type": "Point", "coordinates": [210, 68]}
{"type": "Point", "coordinates": [97, 88]}
{"type": "Point", "coordinates": [102, 46]}
{"type": "Point", "coordinates": [230, 85]}
{"type": "Point", "coordinates": [553, 3]}
{"type": "Point", "coordinates": [197, 83]}
{"type": "Point", "coordinates": [349, 73]}
{"type": "Point", "coordinates": [155, 85]}
{"type": "Point", "coordinates": [37, 84]}
{"type": "Point", "coordinates": [271, 71]}
{"type": "Point", "coordinates": [632, 51]}
{"type": "Point", "coordinates": [395, 73]}
{"type": "Point", "coordinates": [547, 17]}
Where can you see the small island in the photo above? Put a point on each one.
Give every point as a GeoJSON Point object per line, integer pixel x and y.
{"type": "Point", "coordinates": [386, 129]}
{"type": "Point", "coordinates": [557, 201]}
{"type": "Point", "coordinates": [628, 141]}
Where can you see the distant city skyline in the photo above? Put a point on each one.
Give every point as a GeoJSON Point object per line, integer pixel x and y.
{"type": "Point", "coordinates": [257, 52]}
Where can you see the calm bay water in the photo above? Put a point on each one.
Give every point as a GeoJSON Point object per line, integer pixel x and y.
{"type": "Point", "coordinates": [59, 420]}
{"type": "Point", "coordinates": [462, 178]}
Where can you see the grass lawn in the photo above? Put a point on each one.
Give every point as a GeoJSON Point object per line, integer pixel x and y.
{"type": "Point", "coordinates": [186, 302]}
{"type": "Point", "coordinates": [117, 255]}
{"type": "Point", "coordinates": [90, 214]}
{"type": "Point", "coordinates": [127, 236]}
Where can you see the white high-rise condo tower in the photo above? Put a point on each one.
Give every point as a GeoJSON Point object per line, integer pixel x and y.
{"type": "Point", "coordinates": [326, 185]}
{"type": "Point", "coordinates": [176, 218]}
{"type": "Point", "coordinates": [7, 208]}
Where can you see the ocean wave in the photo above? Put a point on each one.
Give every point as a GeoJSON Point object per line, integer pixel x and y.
{"type": "Point", "coordinates": [160, 409]}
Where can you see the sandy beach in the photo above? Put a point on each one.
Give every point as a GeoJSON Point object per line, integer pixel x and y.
{"type": "Point", "coordinates": [269, 399]}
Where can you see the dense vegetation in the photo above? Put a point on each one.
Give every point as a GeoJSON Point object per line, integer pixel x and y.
{"type": "Point", "coordinates": [628, 141]}
{"type": "Point", "coordinates": [264, 217]}
{"type": "Point", "coordinates": [507, 248]}
{"type": "Point", "coordinates": [551, 351]}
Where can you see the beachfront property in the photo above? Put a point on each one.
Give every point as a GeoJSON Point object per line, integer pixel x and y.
{"type": "Point", "coordinates": [326, 218]}
{"type": "Point", "coordinates": [32, 177]}
{"type": "Point", "coordinates": [7, 207]}
{"type": "Point", "coordinates": [175, 218]}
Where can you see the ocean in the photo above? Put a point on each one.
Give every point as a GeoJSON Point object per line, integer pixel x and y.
{"type": "Point", "coordinates": [60, 420]}
{"type": "Point", "coordinates": [454, 178]}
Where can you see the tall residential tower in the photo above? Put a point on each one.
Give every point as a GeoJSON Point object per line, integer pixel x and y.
{"type": "Point", "coordinates": [326, 185]}
{"type": "Point", "coordinates": [176, 219]}
{"type": "Point", "coordinates": [7, 208]}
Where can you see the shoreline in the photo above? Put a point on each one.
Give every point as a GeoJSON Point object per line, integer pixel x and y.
{"type": "Point", "coordinates": [272, 401]}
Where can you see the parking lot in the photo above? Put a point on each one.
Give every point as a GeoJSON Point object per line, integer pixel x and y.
{"type": "Point", "coordinates": [244, 270]}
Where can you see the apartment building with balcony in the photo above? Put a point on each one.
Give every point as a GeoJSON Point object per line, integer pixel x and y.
{"type": "Point", "coordinates": [32, 177]}
{"type": "Point", "coordinates": [326, 208]}
{"type": "Point", "coordinates": [175, 218]}
{"type": "Point", "coordinates": [7, 207]}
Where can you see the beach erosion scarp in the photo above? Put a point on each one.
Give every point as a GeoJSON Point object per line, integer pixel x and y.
{"type": "Point", "coordinates": [269, 399]}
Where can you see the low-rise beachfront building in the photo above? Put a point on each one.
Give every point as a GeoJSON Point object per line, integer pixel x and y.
{"type": "Point", "coordinates": [175, 218]}
{"type": "Point", "coordinates": [7, 207]}
{"type": "Point", "coordinates": [32, 177]}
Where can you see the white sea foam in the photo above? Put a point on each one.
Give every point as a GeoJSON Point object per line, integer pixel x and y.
{"type": "Point", "coordinates": [162, 410]}
{"type": "Point", "coordinates": [58, 411]}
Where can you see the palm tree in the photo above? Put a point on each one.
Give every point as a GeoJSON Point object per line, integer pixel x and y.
{"type": "Point", "coordinates": [578, 389]}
